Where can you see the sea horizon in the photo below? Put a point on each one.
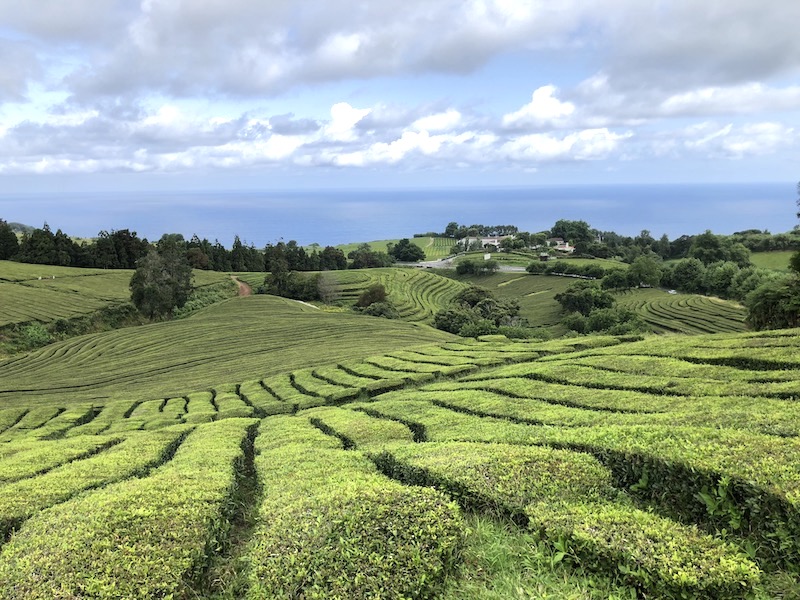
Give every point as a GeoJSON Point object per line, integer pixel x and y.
{"type": "Point", "coordinates": [338, 216]}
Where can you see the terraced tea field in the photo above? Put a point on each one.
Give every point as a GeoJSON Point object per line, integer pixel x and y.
{"type": "Point", "coordinates": [416, 294]}
{"type": "Point", "coordinates": [46, 293]}
{"type": "Point", "coordinates": [434, 247]}
{"type": "Point", "coordinates": [684, 313]}
{"type": "Point", "coordinates": [596, 467]}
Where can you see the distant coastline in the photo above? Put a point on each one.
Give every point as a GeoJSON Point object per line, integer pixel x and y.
{"type": "Point", "coordinates": [342, 216]}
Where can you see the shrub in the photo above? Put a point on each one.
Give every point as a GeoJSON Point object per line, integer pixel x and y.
{"type": "Point", "coordinates": [381, 309]}
{"type": "Point", "coordinates": [35, 335]}
{"type": "Point", "coordinates": [374, 293]}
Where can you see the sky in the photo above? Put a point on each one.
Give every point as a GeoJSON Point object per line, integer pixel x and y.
{"type": "Point", "coordinates": [288, 94]}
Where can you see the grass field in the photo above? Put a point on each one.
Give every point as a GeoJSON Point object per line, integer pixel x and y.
{"type": "Point", "coordinates": [417, 294]}
{"type": "Point", "coordinates": [594, 467]}
{"type": "Point", "coordinates": [46, 293]}
{"type": "Point", "coordinates": [778, 260]}
{"type": "Point", "coordinates": [258, 335]}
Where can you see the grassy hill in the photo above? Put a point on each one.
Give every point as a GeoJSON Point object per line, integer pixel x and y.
{"type": "Point", "coordinates": [257, 335]}
{"type": "Point", "coordinates": [778, 260]}
{"type": "Point", "coordinates": [434, 247]}
{"type": "Point", "coordinates": [45, 293]}
{"type": "Point", "coordinates": [684, 313]}
{"type": "Point", "coordinates": [322, 463]}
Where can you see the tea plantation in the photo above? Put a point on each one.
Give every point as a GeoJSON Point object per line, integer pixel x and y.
{"type": "Point", "coordinates": [264, 449]}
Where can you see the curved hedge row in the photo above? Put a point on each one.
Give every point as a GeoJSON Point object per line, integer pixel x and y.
{"type": "Point", "coordinates": [330, 526]}
{"type": "Point", "coordinates": [140, 538]}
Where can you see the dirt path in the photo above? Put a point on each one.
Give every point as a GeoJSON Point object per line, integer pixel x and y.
{"type": "Point", "coordinates": [244, 289]}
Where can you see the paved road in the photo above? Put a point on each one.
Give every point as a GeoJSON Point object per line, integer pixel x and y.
{"type": "Point", "coordinates": [447, 263]}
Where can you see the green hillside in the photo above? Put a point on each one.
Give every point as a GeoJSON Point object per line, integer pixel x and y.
{"type": "Point", "coordinates": [253, 336]}
{"type": "Point", "coordinates": [593, 467]}
{"type": "Point", "coordinates": [777, 260]}
{"type": "Point", "coordinates": [684, 313]}
{"type": "Point", "coordinates": [45, 293]}
{"type": "Point", "coordinates": [434, 247]}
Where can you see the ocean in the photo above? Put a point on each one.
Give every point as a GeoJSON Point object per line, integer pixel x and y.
{"type": "Point", "coordinates": [342, 216]}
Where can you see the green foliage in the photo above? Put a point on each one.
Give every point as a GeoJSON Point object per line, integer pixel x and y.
{"type": "Point", "coordinates": [644, 271]}
{"type": "Point", "coordinates": [613, 321]}
{"type": "Point", "coordinates": [405, 251]}
{"type": "Point", "coordinates": [161, 283]}
{"type": "Point", "coordinates": [331, 527]}
{"type": "Point", "coordinates": [206, 296]}
{"type": "Point", "coordinates": [710, 248]}
{"type": "Point", "coordinates": [141, 538]}
{"type": "Point", "coordinates": [772, 306]}
{"type": "Point", "coordinates": [364, 257]}
{"type": "Point", "coordinates": [381, 309]}
{"type": "Point", "coordinates": [9, 245]}
{"type": "Point", "coordinates": [477, 267]}
{"type": "Point", "coordinates": [374, 293]}
{"type": "Point", "coordinates": [35, 335]}
{"type": "Point", "coordinates": [475, 312]}
{"type": "Point", "coordinates": [584, 297]}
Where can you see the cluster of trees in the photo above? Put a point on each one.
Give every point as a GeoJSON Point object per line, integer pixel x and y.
{"type": "Point", "coordinates": [477, 267]}
{"type": "Point", "coordinates": [457, 231]}
{"type": "Point", "coordinates": [593, 309]}
{"type": "Point", "coordinates": [476, 311]}
{"type": "Point", "coordinates": [405, 251]}
{"type": "Point", "coordinates": [162, 281]}
{"type": "Point", "coordinates": [110, 250]}
{"type": "Point", "coordinates": [776, 304]}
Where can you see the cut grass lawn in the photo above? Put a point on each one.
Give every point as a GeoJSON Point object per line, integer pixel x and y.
{"type": "Point", "coordinates": [777, 260]}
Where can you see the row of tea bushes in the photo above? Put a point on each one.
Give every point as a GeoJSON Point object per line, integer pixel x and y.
{"type": "Point", "coordinates": [331, 527]}
{"type": "Point", "coordinates": [139, 538]}
{"type": "Point", "coordinates": [567, 498]}
{"type": "Point", "coordinates": [130, 458]}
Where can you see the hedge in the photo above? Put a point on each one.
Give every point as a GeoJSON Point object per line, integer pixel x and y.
{"type": "Point", "coordinates": [22, 499]}
{"type": "Point", "coordinates": [331, 527]}
{"type": "Point", "coordinates": [567, 498]}
{"type": "Point", "coordinates": [140, 538]}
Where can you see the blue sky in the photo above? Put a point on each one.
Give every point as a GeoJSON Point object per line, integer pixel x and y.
{"type": "Point", "coordinates": [169, 94]}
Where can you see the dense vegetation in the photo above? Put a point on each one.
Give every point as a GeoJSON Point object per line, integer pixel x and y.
{"type": "Point", "coordinates": [615, 468]}
{"type": "Point", "coordinates": [266, 448]}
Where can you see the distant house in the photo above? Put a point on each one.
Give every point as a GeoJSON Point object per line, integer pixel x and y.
{"type": "Point", "coordinates": [484, 242]}
{"type": "Point", "coordinates": [560, 245]}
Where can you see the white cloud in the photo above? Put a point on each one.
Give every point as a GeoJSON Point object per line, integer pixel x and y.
{"type": "Point", "coordinates": [544, 110]}
{"type": "Point", "coordinates": [442, 121]}
{"type": "Point", "coordinates": [752, 139]}
{"type": "Point", "coordinates": [344, 118]}
{"type": "Point", "coordinates": [589, 144]}
{"type": "Point", "coordinates": [740, 99]}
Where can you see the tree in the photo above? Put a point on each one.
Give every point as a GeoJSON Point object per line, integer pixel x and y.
{"type": "Point", "coordinates": [9, 245]}
{"type": "Point", "coordinates": [575, 232]}
{"type": "Point", "coordinates": [374, 293]}
{"type": "Point", "coordinates": [644, 272]}
{"type": "Point", "coordinates": [688, 275]}
{"type": "Point", "coordinates": [452, 229]}
{"type": "Point", "coordinates": [162, 282]}
{"type": "Point", "coordinates": [584, 297]}
{"type": "Point", "coordinates": [615, 279]}
{"type": "Point", "coordinates": [405, 251]}
{"type": "Point", "coordinates": [773, 306]}
{"type": "Point", "coordinates": [365, 257]}
{"type": "Point", "coordinates": [332, 259]}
